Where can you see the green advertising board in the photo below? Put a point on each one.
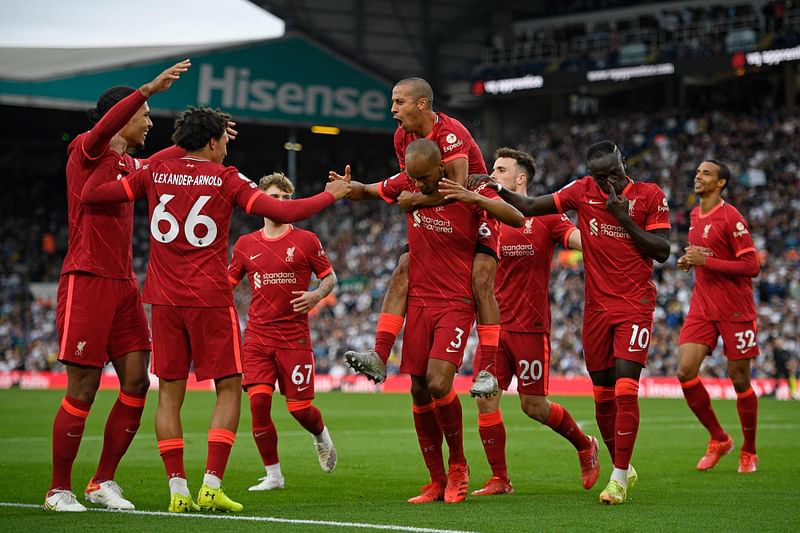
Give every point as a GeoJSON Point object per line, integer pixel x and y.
{"type": "Point", "coordinates": [289, 81]}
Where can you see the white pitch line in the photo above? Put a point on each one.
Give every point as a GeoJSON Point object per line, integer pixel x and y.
{"type": "Point", "coordinates": [387, 527]}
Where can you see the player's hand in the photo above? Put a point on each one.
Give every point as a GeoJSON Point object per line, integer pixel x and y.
{"type": "Point", "coordinates": [453, 191]}
{"type": "Point", "coordinates": [474, 180]}
{"type": "Point", "coordinates": [683, 264]}
{"type": "Point", "coordinates": [333, 176]}
{"type": "Point", "coordinates": [231, 131]}
{"type": "Point", "coordinates": [694, 256]}
{"type": "Point", "coordinates": [305, 301]}
{"type": "Point", "coordinates": [617, 205]}
{"type": "Point", "coordinates": [164, 80]}
{"type": "Point", "coordinates": [339, 188]}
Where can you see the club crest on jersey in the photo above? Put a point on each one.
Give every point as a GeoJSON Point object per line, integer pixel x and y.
{"type": "Point", "coordinates": [740, 229]}
{"type": "Point", "coordinates": [593, 228]}
{"type": "Point", "coordinates": [290, 254]}
{"type": "Point", "coordinates": [528, 226]}
{"type": "Point", "coordinates": [706, 229]}
{"type": "Point", "coordinates": [631, 205]}
{"type": "Point", "coordinates": [416, 217]}
{"type": "Point", "coordinates": [257, 280]}
{"type": "Point", "coordinates": [80, 347]}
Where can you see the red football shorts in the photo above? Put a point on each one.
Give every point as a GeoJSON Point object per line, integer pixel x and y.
{"type": "Point", "coordinates": [99, 319]}
{"type": "Point", "coordinates": [738, 338]}
{"type": "Point", "coordinates": [615, 335]}
{"type": "Point", "coordinates": [436, 333]}
{"type": "Point", "coordinates": [292, 370]}
{"type": "Point", "coordinates": [207, 337]}
{"type": "Point", "coordinates": [525, 355]}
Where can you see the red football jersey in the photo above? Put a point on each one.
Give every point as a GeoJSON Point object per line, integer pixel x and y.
{"type": "Point", "coordinates": [441, 243]}
{"type": "Point", "coordinates": [275, 268]}
{"type": "Point", "coordinates": [721, 233]}
{"type": "Point", "coordinates": [453, 140]}
{"type": "Point", "coordinates": [617, 273]}
{"type": "Point", "coordinates": [522, 284]}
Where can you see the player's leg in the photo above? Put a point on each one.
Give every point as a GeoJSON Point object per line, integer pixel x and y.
{"type": "Point", "coordinates": [265, 435]}
{"type": "Point", "coordinates": [440, 376]}
{"type": "Point", "coordinates": [169, 434]}
{"type": "Point", "coordinates": [598, 354]}
{"type": "Point", "coordinates": [484, 269]}
{"type": "Point", "coordinates": [68, 428]}
{"type": "Point", "coordinates": [372, 363]}
{"type": "Point", "coordinates": [747, 407]}
{"type": "Point", "coordinates": [493, 437]}
{"type": "Point", "coordinates": [558, 418]}
{"type": "Point", "coordinates": [690, 358]}
{"type": "Point", "coordinates": [429, 436]}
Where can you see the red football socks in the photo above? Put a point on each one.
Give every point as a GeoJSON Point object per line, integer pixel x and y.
{"type": "Point", "coordinates": [493, 436]}
{"type": "Point", "coordinates": [220, 442]}
{"type": "Point", "coordinates": [307, 415]}
{"type": "Point", "coordinates": [264, 432]}
{"type": "Point", "coordinates": [489, 339]}
{"type": "Point", "coordinates": [562, 423]}
{"type": "Point", "coordinates": [747, 405]}
{"type": "Point", "coordinates": [448, 412]}
{"type": "Point", "coordinates": [121, 427]}
{"type": "Point", "coordinates": [388, 327]}
{"type": "Point", "coordinates": [68, 427]}
{"type": "Point", "coordinates": [700, 403]}
{"type": "Point", "coordinates": [605, 412]}
{"type": "Point", "coordinates": [430, 439]}
{"type": "Point", "coordinates": [171, 451]}
{"type": "Point", "coordinates": [627, 426]}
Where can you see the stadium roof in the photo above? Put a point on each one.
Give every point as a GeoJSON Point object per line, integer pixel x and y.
{"type": "Point", "coordinates": [44, 39]}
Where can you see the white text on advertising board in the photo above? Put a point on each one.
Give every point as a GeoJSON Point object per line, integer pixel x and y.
{"type": "Point", "coordinates": [237, 90]}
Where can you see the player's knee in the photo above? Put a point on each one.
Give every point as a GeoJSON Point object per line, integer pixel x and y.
{"type": "Point", "coordinates": [686, 373]}
{"type": "Point", "coordinates": [740, 379]}
{"type": "Point", "coordinates": [420, 393]}
{"type": "Point", "coordinates": [535, 407]}
{"type": "Point", "coordinates": [439, 386]}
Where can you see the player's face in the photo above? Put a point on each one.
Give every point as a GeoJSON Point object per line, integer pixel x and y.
{"type": "Point", "coordinates": [426, 176]}
{"type": "Point", "coordinates": [608, 172]}
{"type": "Point", "coordinates": [405, 107]}
{"type": "Point", "coordinates": [277, 193]}
{"type": "Point", "coordinates": [706, 178]}
{"type": "Point", "coordinates": [135, 131]}
{"type": "Point", "coordinates": [506, 172]}
{"type": "Point", "coordinates": [219, 148]}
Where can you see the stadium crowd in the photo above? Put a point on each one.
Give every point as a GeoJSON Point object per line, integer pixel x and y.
{"type": "Point", "coordinates": [363, 242]}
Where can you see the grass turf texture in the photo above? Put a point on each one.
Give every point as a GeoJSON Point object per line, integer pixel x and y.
{"type": "Point", "coordinates": [380, 466]}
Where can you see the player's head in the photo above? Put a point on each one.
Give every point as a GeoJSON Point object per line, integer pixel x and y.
{"type": "Point", "coordinates": [135, 131]}
{"type": "Point", "coordinates": [606, 165]}
{"type": "Point", "coordinates": [277, 185]}
{"type": "Point", "coordinates": [424, 165]}
{"type": "Point", "coordinates": [712, 176]}
{"type": "Point", "coordinates": [203, 130]}
{"type": "Point", "coordinates": [513, 169]}
{"type": "Point", "coordinates": [412, 99]}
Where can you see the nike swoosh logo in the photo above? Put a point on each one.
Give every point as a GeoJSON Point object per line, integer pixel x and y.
{"type": "Point", "coordinates": [254, 256]}
{"type": "Point", "coordinates": [256, 435]}
{"type": "Point", "coordinates": [71, 435]}
{"type": "Point", "coordinates": [527, 383]}
{"type": "Point", "coordinates": [623, 433]}
{"type": "Point", "coordinates": [129, 430]}
{"type": "Point", "coordinates": [637, 350]}
{"type": "Point", "coordinates": [448, 350]}
{"type": "Point", "coordinates": [595, 202]}
{"type": "Point", "coordinates": [746, 350]}
{"type": "Point", "coordinates": [301, 389]}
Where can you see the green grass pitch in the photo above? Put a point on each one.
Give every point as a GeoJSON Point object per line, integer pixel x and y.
{"type": "Point", "coordinates": [380, 466]}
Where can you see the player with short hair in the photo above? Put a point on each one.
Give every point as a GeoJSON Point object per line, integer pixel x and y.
{"type": "Point", "coordinates": [523, 293]}
{"type": "Point", "coordinates": [441, 309]}
{"type": "Point", "coordinates": [724, 258]}
{"type": "Point", "coordinates": [624, 226]}
{"type": "Point", "coordinates": [279, 260]}
{"type": "Point", "coordinates": [191, 201]}
{"type": "Point", "coordinates": [99, 314]}
{"type": "Point", "coordinates": [412, 108]}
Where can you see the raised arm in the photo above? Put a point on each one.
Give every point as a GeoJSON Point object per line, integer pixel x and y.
{"type": "Point", "coordinates": [115, 119]}
{"type": "Point", "coordinates": [288, 211]}
{"type": "Point", "coordinates": [358, 191]}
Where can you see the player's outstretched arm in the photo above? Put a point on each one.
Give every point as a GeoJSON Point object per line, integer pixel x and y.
{"type": "Point", "coordinates": [541, 205]}
{"type": "Point", "coordinates": [409, 201]}
{"type": "Point", "coordinates": [98, 191]}
{"type": "Point", "coordinates": [653, 244]}
{"type": "Point", "coordinates": [358, 190]}
{"type": "Point", "coordinates": [286, 212]}
{"type": "Point", "coordinates": [502, 211]}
